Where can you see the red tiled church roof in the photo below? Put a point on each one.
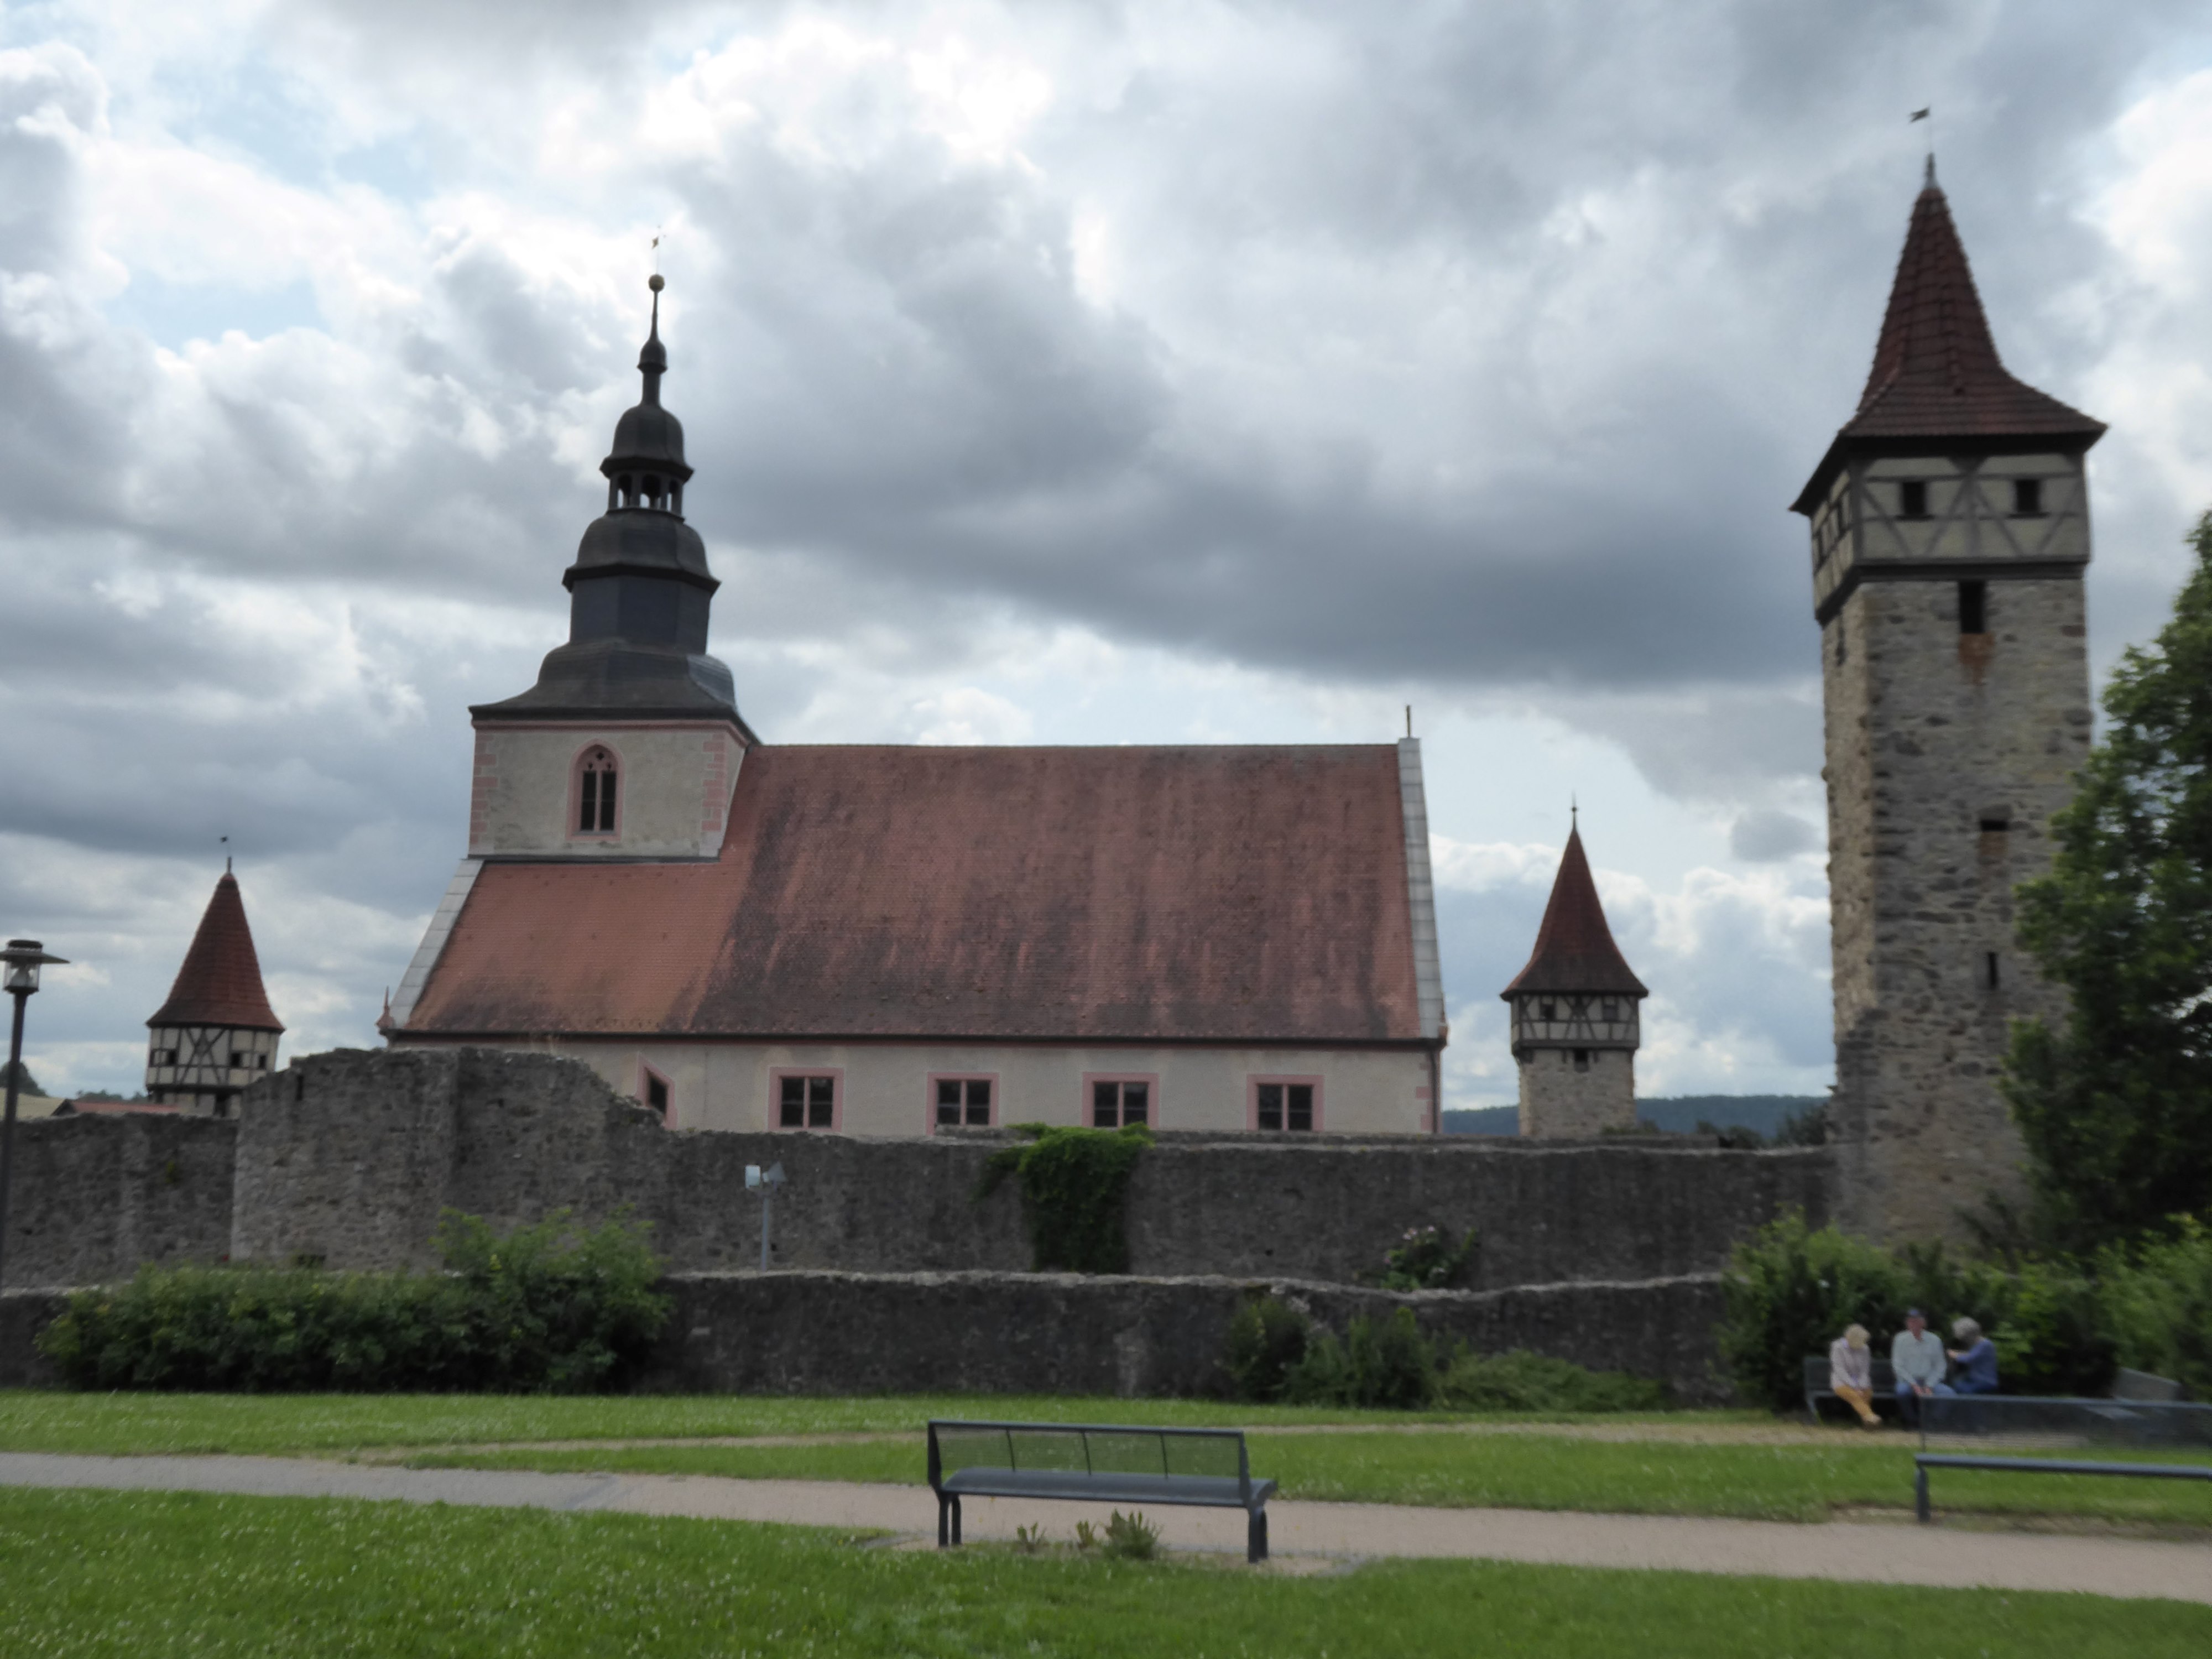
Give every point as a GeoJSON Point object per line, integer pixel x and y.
{"type": "Point", "coordinates": [1575, 951]}
{"type": "Point", "coordinates": [1161, 894]}
{"type": "Point", "coordinates": [1937, 374]}
{"type": "Point", "coordinates": [219, 983]}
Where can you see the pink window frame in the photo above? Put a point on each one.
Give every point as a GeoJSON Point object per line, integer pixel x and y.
{"type": "Point", "coordinates": [1252, 1101]}
{"type": "Point", "coordinates": [775, 1077]}
{"type": "Point", "coordinates": [576, 792]}
{"type": "Point", "coordinates": [646, 1073]}
{"type": "Point", "coordinates": [929, 1097]}
{"type": "Point", "coordinates": [1153, 1103]}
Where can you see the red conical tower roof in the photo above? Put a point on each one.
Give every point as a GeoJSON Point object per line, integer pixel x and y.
{"type": "Point", "coordinates": [1936, 375]}
{"type": "Point", "coordinates": [1575, 952]}
{"type": "Point", "coordinates": [219, 983]}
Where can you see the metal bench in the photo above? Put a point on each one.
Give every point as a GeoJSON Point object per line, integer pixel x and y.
{"type": "Point", "coordinates": [2063, 1419]}
{"type": "Point", "coordinates": [1817, 1389]}
{"type": "Point", "coordinates": [1923, 1462]}
{"type": "Point", "coordinates": [1093, 1463]}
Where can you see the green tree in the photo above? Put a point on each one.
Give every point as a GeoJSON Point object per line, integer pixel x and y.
{"type": "Point", "coordinates": [2115, 1105]}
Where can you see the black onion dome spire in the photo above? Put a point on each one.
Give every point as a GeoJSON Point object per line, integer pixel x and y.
{"type": "Point", "coordinates": [640, 589]}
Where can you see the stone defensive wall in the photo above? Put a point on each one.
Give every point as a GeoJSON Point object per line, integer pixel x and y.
{"type": "Point", "coordinates": [894, 1275]}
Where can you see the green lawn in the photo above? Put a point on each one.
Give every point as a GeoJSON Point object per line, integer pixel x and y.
{"type": "Point", "coordinates": [1518, 1471]}
{"type": "Point", "coordinates": [58, 1420]}
{"type": "Point", "coordinates": [102, 1573]}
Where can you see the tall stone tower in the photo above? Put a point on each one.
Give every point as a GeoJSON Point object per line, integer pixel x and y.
{"type": "Point", "coordinates": [1950, 522]}
{"type": "Point", "coordinates": [1574, 1014]}
{"type": "Point", "coordinates": [216, 1033]}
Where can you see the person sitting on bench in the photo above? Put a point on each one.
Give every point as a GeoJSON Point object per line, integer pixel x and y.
{"type": "Point", "coordinates": [1975, 1356]}
{"type": "Point", "coordinates": [1851, 1374]}
{"type": "Point", "coordinates": [1916, 1355]}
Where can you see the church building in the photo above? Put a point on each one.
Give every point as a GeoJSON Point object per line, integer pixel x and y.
{"type": "Point", "coordinates": [1950, 530]}
{"type": "Point", "coordinates": [873, 940]}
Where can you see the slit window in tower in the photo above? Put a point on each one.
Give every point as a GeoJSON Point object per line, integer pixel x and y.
{"type": "Point", "coordinates": [1973, 607]}
{"type": "Point", "coordinates": [596, 787]}
{"type": "Point", "coordinates": [1913, 499]}
{"type": "Point", "coordinates": [1581, 1059]}
{"type": "Point", "coordinates": [2028, 498]}
{"type": "Point", "coordinates": [1990, 980]}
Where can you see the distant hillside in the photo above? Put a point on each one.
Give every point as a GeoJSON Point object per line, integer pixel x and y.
{"type": "Point", "coordinates": [1677, 1114]}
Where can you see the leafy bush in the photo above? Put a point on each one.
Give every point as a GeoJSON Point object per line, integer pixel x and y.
{"type": "Point", "coordinates": [1789, 1291]}
{"type": "Point", "coordinates": [1425, 1259]}
{"type": "Point", "coordinates": [2158, 1304]}
{"type": "Point", "coordinates": [1075, 1190]}
{"type": "Point", "coordinates": [550, 1308]}
{"type": "Point", "coordinates": [1266, 1340]}
{"type": "Point", "coordinates": [2050, 1333]}
{"type": "Point", "coordinates": [1523, 1382]}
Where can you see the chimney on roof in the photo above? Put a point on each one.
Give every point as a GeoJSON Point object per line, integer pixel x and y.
{"type": "Point", "coordinates": [1575, 1007]}
{"type": "Point", "coordinates": [216, 1033]}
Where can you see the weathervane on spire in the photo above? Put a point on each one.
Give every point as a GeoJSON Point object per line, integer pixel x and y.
{"type": "Point", "coordinates": [1928, 116]}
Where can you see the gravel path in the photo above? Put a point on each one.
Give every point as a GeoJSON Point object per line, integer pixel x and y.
{"type": "Point", "coordinates": [1875, 1552]}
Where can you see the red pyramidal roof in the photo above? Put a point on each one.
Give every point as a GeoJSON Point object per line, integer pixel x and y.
{"type": "Point", "coordinates": [219, 983]}
{"type": "Point", "coordinates": [1936, 375]}
{"type": "Point", "coordinates": [1575, 951]}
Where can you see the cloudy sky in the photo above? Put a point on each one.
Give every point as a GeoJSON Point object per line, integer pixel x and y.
{"type": "Point", "coordinates": [1081, 374]}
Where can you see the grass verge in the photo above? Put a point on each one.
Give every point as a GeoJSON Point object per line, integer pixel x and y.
{"type": "Point", "coordinates": [1519, 1471]}
{"type": "Point", "coordinates": [102, 1573]}
{"type": "Point", "coordinates": [32, 1420]}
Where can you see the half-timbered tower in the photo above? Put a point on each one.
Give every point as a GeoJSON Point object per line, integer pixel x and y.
{"type": "Point", "coordinates": [1574, 1014]}
{"type": "Point", "coordinates": [1950, 530]}
{"type": "Point", "coordinates": [216, 1033]}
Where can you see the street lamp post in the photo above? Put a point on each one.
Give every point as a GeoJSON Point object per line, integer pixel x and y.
{"type": "Point", "coordinates": [19, 976]}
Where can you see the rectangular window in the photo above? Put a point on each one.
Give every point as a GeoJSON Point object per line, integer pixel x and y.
{"type": "Point", "coordinates": [806, 1100]}
{"type": "Point", "coordinates": [963, 1103]}
{"type": "Point", "coordinates": [1285, 1105]}
{"type": "Point", "coordinates": [1842, 652]}
{"type": "Point", "coordinates": [656, 1091]}
{"type": "Point", "coordinates": [2028, 498]}
{"type": "Point", "coordinates": [1913, 499]}
{"type": "Point", "coordinates": [1612, 1010]}
{"type": "Point", "coordinates": [1546, 1010]}
{"type": "Point", "coordinates": [1990, 972]}
{"type": "Point", "coordinates": [1995, 826]}
{"type": "Point", "coordinates": [1116, 1103]}
{"type": "Point", "coordinates": [1973, 607]}
{"type": "Point", "coordinates": [1581, 1059]}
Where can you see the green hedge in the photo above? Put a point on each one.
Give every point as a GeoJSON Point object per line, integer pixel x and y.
{"type": "Point", "coordinates": [1276, 1352]}
{"type": "Point", "coordinates": [551, 1308]}
{"type": "Point", "coordinates": [1075, 1193]}
{"type": "Point", "coordinates": [2060, 1327]}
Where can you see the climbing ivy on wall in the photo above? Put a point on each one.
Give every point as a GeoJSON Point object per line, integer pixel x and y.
{"type": "Point", "coordinates": [1075, 1190]}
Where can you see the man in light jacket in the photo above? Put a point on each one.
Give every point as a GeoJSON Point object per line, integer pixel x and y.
{"type": "Point", "coordinates": [1917, 1355]}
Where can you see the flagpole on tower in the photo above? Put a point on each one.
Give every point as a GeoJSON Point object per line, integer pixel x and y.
{"type": "Point", "coordinates": [1928, 116]}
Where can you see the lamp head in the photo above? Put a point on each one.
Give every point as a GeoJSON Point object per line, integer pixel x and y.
{"type": "Point", "coordinates": [19, 963]}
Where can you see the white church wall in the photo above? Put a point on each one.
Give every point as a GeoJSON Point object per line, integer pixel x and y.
{"type": "Point", "coordinates": [887, 1088]}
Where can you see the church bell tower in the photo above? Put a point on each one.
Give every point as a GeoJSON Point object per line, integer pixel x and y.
{"type": "Point", "coordinates": [1950, 530]}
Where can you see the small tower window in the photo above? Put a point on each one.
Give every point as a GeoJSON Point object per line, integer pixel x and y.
{"type": "Point", "coordinates": [597, 783]}
{"type": "Point", "coordinates": [2028, 498]}
{"type": "Point", "coordinates": [1843, 651]}
{"type": "Point", "coordinates": [1581, 1059]}
{"type": "Point", "coordinates": [1547, 1009]}
{"type": "Point", "coordinates": [1989, 975]}
{"type": "Point", "coordinates": [1973, 607]}
{"type": "Point", "coordinates": [656, 1092]}
{"type": "Point", "coordinates": [1913, 499]}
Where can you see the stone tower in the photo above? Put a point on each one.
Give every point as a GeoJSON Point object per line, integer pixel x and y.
{"type": "Point", "coordinates": [1574, 1014]}
{"type": "Point", "coordinates": [216, 1033]}
{"type": "Point", "coordinates": [1950, 526]}
{"type": "Point", "coordinates": [628, 746]}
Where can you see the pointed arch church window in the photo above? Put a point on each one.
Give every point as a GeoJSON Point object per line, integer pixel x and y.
{"type": "Point", "coordinates": [598, 782]}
